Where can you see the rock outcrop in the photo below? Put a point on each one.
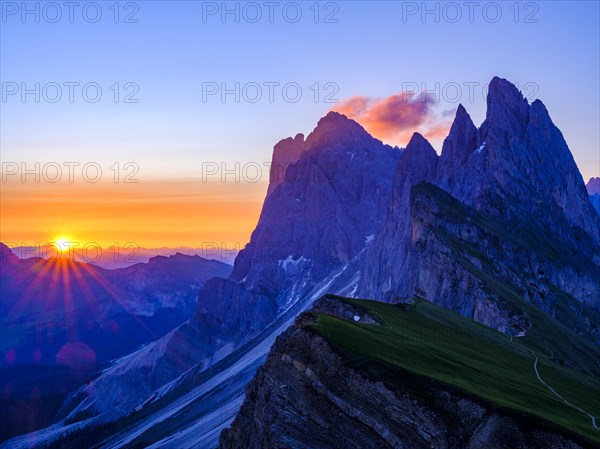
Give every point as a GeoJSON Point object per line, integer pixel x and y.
{"type": "Point", "coordinates": [306, 396]}
{"type": "Point", "coordinates": [593, 186]}
{"type": "Point", "coordinates": [536, 231]}
{"type": "Point", "coordinates": [519, 166]}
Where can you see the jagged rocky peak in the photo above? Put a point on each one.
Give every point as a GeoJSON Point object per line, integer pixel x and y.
{"type": "Point", "coordinates": [334, 137]}
{"type": "Point", "coordinates": [336, 130]}
{"type": "Point", "coordinates": [417, 163]}
{"type": "Point", "coordinates": [506, 106]}
{"type": "Point", "coordinates": [516, 164]}
{"type": "Point", "coordinates": [458, 146]}
{"type": "Point", "coordinates": [462, 139]}
{"type": "Point", "coordinates": [285, 153]}
{"type": "Point", "coordinates": [418, 159]}
{"type": "Point", "coordinates": [418, 143]}
{"type": "Point", "coordinates": [308, 224]}
{"type": "Point", "coordinates": [391, 245]}
{"type": "Point", "coordinates": [593, 186]}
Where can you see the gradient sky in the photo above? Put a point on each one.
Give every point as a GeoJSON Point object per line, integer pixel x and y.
{"type": "Point", "coordinates": [371, 52]}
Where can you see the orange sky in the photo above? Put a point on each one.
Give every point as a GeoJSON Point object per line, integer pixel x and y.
{"type": "Point", "coordinates": [151, 213]}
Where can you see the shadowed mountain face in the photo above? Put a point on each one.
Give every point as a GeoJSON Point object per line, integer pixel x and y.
{"type": "Point", "coordinates": [499, 228]}
{"type": "Point", "coordinates": [520, 165]}
{"type": "Point", "coordinates": [315, 222]}
{"type": "Point", "coordinates": [593, 188]}
{"type": "Point", "coordinates": [510, 204]}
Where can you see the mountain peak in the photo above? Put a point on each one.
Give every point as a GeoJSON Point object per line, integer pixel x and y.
{"type": "Point", "coordinates": [460, 143]}
{"type": "Point", "coordinates": [501, 88]}
{"type": "Point", "coordinates": [418, 159]}
{"type": "Point", "coordinates": [462, 129]}
{"type": "Point", "coordinates": [285, 153]}
{"type": "Point", "coordinates": [418, 144]}
{"type": "Point", "coordinates": [335, 129]}
{"type": "Point", "coordinates": [506, 106]}
{"type": "Point", "coordinates": [462, 116]}
{"type": "Point", "coordinates": [333, 116]}
{"type": "Point", "coordinates": [593, 186]}
{"type": "Point", "coordinates": [461, 112]}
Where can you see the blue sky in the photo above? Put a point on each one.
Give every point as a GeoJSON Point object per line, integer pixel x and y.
{"type": "Point", "coordinates": [370, 51]}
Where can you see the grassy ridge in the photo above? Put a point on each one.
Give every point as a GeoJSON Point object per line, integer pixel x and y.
{"type": "Point", "coordinates": [562, 337]}
{"type": "Point", "coordinates": [439, 344]}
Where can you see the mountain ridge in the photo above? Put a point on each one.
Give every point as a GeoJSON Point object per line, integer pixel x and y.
{"type": "Point", "coordinates": [476, 230]}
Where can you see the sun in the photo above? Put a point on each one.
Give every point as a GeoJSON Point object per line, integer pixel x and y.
{"type": "Point", "coordinates": [62, 243]}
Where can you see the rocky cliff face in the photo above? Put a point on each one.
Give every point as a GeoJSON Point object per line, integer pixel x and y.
{"type": "Point", "coordinates": [520, 164]}
{"type": "Point", "coordinates": [474, 264]}
{"type": "Point", "coordinates": [541, 243]}
{"type": "Point", "coordinates": [392, 244]}
{"type": "Point", "coordinates": [285, 154]}
{"type": "Point", "coordinates": [593, 188]}
{"type": "Point", "coordinates": [312, 224]}
{"type": "Point", "coordinates": [307, 396]}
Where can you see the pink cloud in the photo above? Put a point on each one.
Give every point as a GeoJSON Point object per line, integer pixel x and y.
{"type": "Point", "coordinates": [395, 118]}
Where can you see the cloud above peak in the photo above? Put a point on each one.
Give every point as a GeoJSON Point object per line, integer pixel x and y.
{"type": "Point", "coordinates": [395, 118]}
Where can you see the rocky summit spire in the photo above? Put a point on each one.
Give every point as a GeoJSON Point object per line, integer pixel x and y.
{"type": "Point", "coordinates": [334, 133]}
{"type": "Point", "coordinates": [460, 143]}
{"type": "Point", "coordinates": [517, 163]}
{"type": "Point", "coordinates": [507, 109]}
{"type": "Point", "coordinates": [417, 163]}
{"type": "Point", "coordinates": [419, 159]}
{"type": "Point", "coordinates": [336, 130]}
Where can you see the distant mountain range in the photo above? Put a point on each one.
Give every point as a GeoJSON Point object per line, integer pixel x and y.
{"type": "Point", "coordinates": [499, 228]}
{"type": "Point", "coordinates": [51, 303]}
{"type": "Point", "coordinates": [112, 258]}
{"type": "Point", "coordinates": [63, 321]}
